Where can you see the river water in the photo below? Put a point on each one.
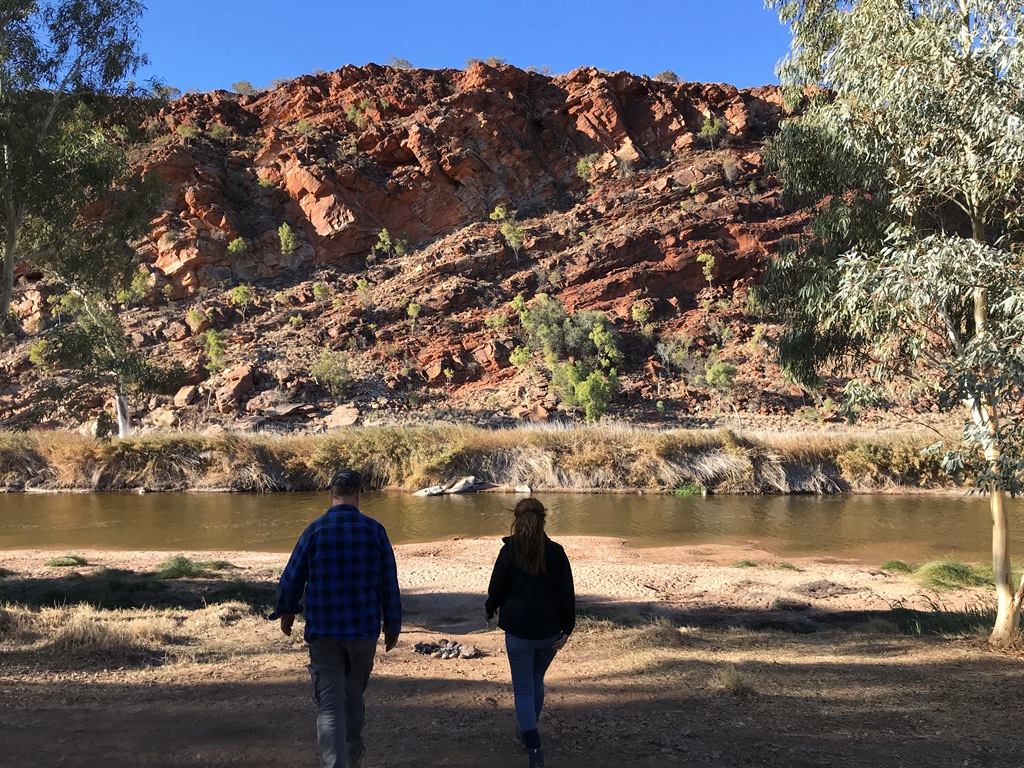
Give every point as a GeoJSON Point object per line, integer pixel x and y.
{"type": "Point", "coordinates": [869, 528]}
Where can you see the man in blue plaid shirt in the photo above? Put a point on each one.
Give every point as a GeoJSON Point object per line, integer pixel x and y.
{"type": "Point", "coordinates": [345, 565]}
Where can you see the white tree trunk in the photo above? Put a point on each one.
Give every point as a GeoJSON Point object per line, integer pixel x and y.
{"type": "Point", "coordinates": [124, 419]}
{"type": "Point", "coordinates": [986, 417]}
{"type": "Point", "coordinates": [7, 273]}
{"type": "Point", "coordinates": [1008, 618]}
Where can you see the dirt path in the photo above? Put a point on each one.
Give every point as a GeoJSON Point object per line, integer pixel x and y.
{"type": "Point", "coordinates": [751, 666]}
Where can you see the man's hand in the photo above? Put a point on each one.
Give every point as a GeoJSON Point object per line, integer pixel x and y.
{"type": "Point", "coordinates": [287, 619]}
{"type": "Point", "coordinates": [560, 642]}
{"type": "Point", "coordinates": [390, 641]}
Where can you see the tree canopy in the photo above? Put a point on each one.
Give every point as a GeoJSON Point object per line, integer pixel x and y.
{"type": "Point", "coordinates": [66, 195]}
{"type": "Point", "coordinates": [910, 151]}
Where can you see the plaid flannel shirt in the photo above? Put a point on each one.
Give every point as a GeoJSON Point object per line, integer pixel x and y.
{"type": "Point", "coordinates": [345, 565]}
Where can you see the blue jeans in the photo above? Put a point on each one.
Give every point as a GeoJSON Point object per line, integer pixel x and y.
{"type": "Point", "coordinates": [340, 671]}
{"type": "Point", "coordinates": [528, 660]}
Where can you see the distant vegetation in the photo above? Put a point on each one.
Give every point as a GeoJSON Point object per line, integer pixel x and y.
{"type": "Point", "coordinates": [676, 461]}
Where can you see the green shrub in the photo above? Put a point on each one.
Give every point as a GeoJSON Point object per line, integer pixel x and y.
{"type": "Point", "coordinates": [585, 166]}
{"type": "Point", "coordinates": [711, 130]}
{"type": "Point", "coordinates": [241, 297]}
{"type": "Point", "coordinates": [220, 132]}
{"type": "Point", "coordinates": [188, 131]}
{"type": "Point", "coordinates": [387, 246]}
{"type": "Point", "coordinates": [38, 353]}
{"type": "Point", "coordinates": [675, 350]}
{"type": "Point", "coordinates": [668, 76]}
{"type": "Point", "coordinates": [137, 289]}
{"type": "Point", "coordinates": [356, 112]}
{"type": "Point", "coordinates": [948, 574]}
{"type": "Point", "coordinates": [594, 394]}
{"type": "Point", "coordinates": [510, 231]}
{"type": "Point", "coordinates": [586, 336]}
{"type": "Point", "coordinates": [66, 561]}
{"type": "Point", "coordinates": [577, 385]}
{"type": "Point", "coordinates": [520, 357]}
{"type": "Point", "coordinates": [238, 246]}
{"type": "Point", "coordinates": [413, 311]}
{"type": "Point", "coordinates": [721, 375]}
{"type": "Point", "coordinates": [243, 88]}
{"type": "Point", "coordinates": [687, 488]}
{"type": "Point", "coordinates": [898, 566]}
{"type": "Point", "coordinates": [332, 372]}
{"type": "Point", "coordinates": [746, 564]}
{"type": "Point", "coordinates": [306, 129]}
{"type": "Point", "coordinates": [289, 243]}
{"type": "Point", "coordinates": [215, 349]}
{"type": "Point", "coordinates": [181, 567]}
{"type": "Point", "coordinates": [514, 238]}
{"type": "Point", "coordinates": [640, 313]}
{"type": "Point", "coordinates": [707, 266]}
{"type": "Point", "coordinates": [320, 291]}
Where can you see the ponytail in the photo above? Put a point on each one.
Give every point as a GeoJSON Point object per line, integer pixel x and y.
{"type": "Point", "coordinates": [528, 536]}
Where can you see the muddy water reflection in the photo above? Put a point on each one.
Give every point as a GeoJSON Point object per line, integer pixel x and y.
{"type": "Point", "coordinates": [873, 528]}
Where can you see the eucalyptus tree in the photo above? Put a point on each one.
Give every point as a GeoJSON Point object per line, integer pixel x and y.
{"type": "Point", "coordinates": [96, 346]}
{"type": "Point", "coordinates": [58, 60]}
{"type": "Point", "coordinates": [910, 151]}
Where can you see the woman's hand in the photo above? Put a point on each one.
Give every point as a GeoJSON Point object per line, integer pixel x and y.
{"type": "Point", "coordinates": [560, 642]}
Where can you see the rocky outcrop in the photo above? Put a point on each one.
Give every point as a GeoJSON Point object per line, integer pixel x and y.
{"type": "Point", "coordinates": [421, 153]}
{"type": "Point", "coordinates": [620, 204]}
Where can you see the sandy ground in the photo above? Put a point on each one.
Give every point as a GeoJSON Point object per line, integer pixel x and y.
{"type": "Point", "coordinates": [681, 658]}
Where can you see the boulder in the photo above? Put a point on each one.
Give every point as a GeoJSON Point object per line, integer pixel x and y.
{"type": "Point", "coordinates": [433, 490]}
{"type": "Point", "coordinates": [186, 395]}
{"type": "Point", "coordinates": [237, 383]}
{"type": "Point", "coordinates": [342, 416]}
{"type": "Point", "coordinates": [462, 485]}
{"type": "Point", "coordinates": [162, 417]}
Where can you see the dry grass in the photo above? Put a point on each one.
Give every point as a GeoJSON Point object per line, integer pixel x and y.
{"type": "Point", "coordinates": [660, 634]}
{"type": "Point", "coordinates": [571, 458]}
{"type": "Point", "coordinates": [732, 681]}
{"type": "Point", "coordinates": [83, 632]}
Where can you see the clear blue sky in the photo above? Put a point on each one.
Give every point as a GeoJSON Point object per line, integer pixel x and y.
{"type": "Point", "coordinates": [212, 43]}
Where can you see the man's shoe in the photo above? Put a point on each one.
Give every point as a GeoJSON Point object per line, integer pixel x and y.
{"type": "Point", "coordinates": [356, 762]}
{"type": "Point", "coordinates": [536, 757]}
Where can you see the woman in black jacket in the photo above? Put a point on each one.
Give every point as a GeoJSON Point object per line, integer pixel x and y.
{"type": "Point", "coordinates": [532, 592]}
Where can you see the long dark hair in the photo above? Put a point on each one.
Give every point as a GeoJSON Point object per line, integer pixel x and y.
{"type": "Point", "coordinates": [528, 536]}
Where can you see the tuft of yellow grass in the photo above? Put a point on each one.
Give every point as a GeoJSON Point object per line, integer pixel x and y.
{"type": "Point", "coordinates": [84, 629]}
{"type": "Point", "coordinates": [732, 681]}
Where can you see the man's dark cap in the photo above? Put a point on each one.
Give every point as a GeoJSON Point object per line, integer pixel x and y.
{"type": "Point", "coordinates": [346, 480]}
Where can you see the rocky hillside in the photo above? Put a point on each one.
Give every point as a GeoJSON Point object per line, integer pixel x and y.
{"type": "Point", "coordinates": [610, 196]}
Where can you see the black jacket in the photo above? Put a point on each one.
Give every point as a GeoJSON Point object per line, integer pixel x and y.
{"type": "Point", "coordinates": [533, 606]}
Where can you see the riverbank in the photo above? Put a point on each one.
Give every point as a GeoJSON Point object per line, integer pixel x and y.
{"type": "Point", "coordinates": [601, 458]}
{"type": "Point", "coordinates": [681, 657]}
